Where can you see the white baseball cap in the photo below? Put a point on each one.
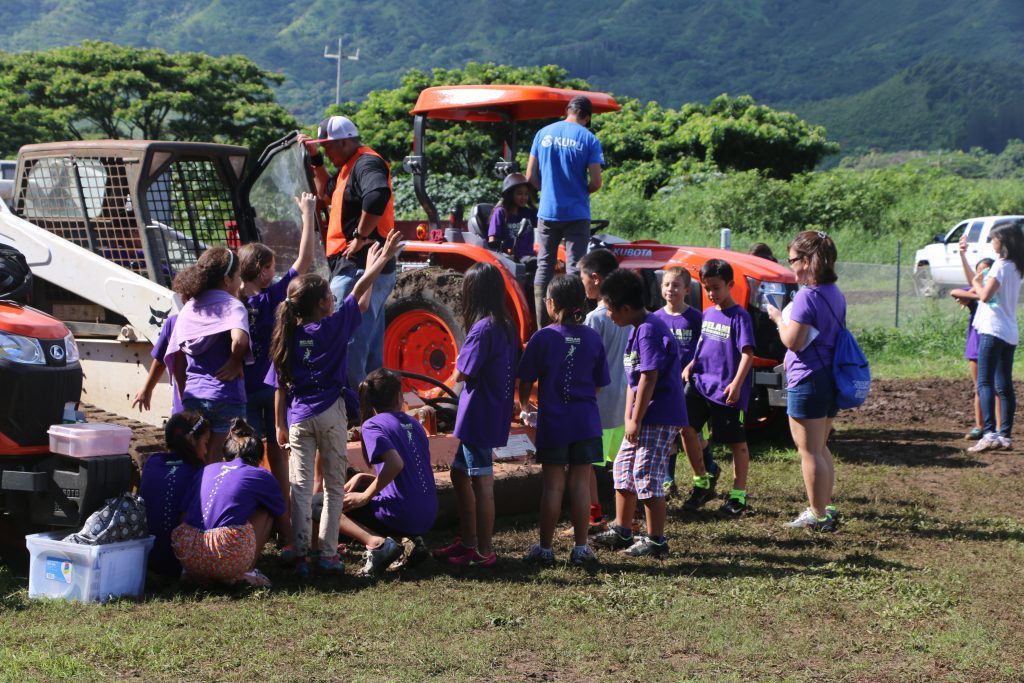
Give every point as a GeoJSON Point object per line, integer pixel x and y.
{"type": "Point", "coordinates": [336, 128]}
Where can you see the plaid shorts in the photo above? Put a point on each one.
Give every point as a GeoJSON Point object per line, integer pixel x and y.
{"type": "Point", "coordinates": [223, 554]}
{"type": "Point", "coordinates": [643, 466]}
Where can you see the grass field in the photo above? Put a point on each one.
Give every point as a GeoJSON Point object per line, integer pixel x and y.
{"type": "Point", "coordinates": [921, 583]}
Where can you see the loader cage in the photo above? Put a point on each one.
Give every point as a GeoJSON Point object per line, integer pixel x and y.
{"type": "Point", "coordinates": [150, 207]}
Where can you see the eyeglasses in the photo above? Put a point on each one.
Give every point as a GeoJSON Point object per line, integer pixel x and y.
{"type": "Point", "coordinates": [795, 259]}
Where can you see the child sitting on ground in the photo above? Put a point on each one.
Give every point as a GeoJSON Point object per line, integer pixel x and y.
{"type": "Point", "coordinates": [718, 381]}
{"type": "Point", "coordinates": [568, 360]}
{"type": "Point", "coordinates": [611, 401]}
{"type": "Point", "coordinates": [400, 501]}
{"type": "Point", "coordinates": [655, 411]}
{"type": "Point", "coordinates": [684, 322]}
{"type": "Point", "coordinates": [230, 514]}
{"type": "Point", "coordinates": [167, 480]}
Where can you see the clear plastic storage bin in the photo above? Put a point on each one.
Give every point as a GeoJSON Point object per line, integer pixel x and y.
{"type": "Point", "coordinates": [87, 573]}
{"type": "Point", "coordinates": [89, 439]}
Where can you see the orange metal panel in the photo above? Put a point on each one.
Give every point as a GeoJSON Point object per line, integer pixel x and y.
{"type": "Point", "coordinates": [491, 102]}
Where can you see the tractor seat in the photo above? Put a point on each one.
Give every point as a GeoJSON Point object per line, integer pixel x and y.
{"type": "Point", "coordinates": [479, 216]}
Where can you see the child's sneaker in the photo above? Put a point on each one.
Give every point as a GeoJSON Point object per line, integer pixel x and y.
{"type": "Point", "coordinates": [614, 538]}
{"type": "Point", "coordinates": [989, 442]}
{"type": "Point", "coordinates": [417, 554]}
{"type": "Point", "coordinates": [330, 565]}
{"type": "Point", "coordinates": [734, 507]}
{"type": "Point", "coordinates": [455, 549]}
{"type": "Point", "coordinates": [473, 558]}
{"type": "Point", "coordinates": [380, 558]}
{"type": "Point", "coordinates": [543, 557]}
{"type": "Point", "coordinates": [303, 568]}
{"type": "Point", "coordinates": [974, 434]}
{"type": "Point", "coordinates": [803, 520]}
{"type": "Point", "coordinates": [698, 497]}
{"type": "Point", "coordinates": [669, 485]}
{"type": "Point", "coordinates": [645, 546]}
{"type": "Point", "coordinates": [583, 556]}
{"type": "Point", "coordinates": [1004, 443]}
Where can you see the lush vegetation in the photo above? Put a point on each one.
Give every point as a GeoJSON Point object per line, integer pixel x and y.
{"type": "Point", "coordinates": [796, 56]}
{"type": "Point", "coordinates": [109, 91]}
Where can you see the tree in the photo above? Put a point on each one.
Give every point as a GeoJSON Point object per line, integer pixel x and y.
{"type": "Point", "coordinates": [99, 89]}
{"type": "Point", "coordinates": [455, 147]}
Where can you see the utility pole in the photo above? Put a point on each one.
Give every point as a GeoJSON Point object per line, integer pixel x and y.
{"type": "Point", "coordinates": [337, 58]}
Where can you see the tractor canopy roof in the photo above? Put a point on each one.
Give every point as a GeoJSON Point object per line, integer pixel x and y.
{"type": "Point", "coordinates": [495, 103]}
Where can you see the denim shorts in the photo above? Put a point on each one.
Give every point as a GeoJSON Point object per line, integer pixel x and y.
{"type": "Point", "coordinates": [219, 413]}
{"type": "Point", "coordinates": [814, 397]}
{"type": "Point", "coordinates": [585, 452]}
{"type": "Point", "coordinates": [259, 411]}
{"type": "Point", "coordinates": [475, 461]}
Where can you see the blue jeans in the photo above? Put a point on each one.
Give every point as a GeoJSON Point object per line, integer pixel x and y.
{"type": "Point", "coordinates": [366, 348]}
{"type": "Point", "coordinates": [995, 377]}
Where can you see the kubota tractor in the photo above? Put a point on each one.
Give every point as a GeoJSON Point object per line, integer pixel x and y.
{"type": "Point", "coordinates": [424, 329]}
{"type": "Point", "coordinates": [39, 374]}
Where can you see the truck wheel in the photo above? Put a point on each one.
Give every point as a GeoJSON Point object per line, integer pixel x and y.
{"type": "Point", "coordinates": [924, 283]}
{"type": "Point", "coordinates": [423, 332]}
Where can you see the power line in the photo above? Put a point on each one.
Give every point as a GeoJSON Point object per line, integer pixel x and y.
{"type": "Point", "coordinates": [337, 58]}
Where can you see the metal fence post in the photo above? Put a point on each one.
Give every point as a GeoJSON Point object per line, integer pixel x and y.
{"type": "Point", "coordinates": [899, 259]}
{"type": "Point", "coordinates": [726, 240]}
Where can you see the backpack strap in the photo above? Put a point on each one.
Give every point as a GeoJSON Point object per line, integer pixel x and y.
{"type": "Point", "coordinates": [842, 323]}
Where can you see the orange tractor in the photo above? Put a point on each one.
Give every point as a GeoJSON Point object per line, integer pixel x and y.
{"type": "Point", "coordinates": [424, 330]}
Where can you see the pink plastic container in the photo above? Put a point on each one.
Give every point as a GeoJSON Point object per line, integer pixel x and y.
{"type": "Point", "coordinates": [89, 439]}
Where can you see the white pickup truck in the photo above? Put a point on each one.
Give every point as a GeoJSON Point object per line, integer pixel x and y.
{"type": "Point", "coordinates": [937, 267]}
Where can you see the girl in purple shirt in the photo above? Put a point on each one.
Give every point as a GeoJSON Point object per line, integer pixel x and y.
{"type": "Point", "coordinates": [487, 365]}
{"type": "Point", "coordinates": [811, 401]}
{"type": "Point", "coordinates": [567, 359]}
{"type": "Point", "coordinates": [514, 207]}
{"type": "Point", "coordinates": [400, 500]}
{"type": "Point", "coordinates": [211, 336]}
{"type": "Point", "coordinates": [167, 481]}
{"type": "Point", "coordinates": [262, 295]}
{"type": "Point", "coordinates": [308, 350]}
{"type": "Point", "coordinates": [230, 514]}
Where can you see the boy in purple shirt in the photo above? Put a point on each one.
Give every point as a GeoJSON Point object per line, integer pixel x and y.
{"type": "Point", "coordinates": [718, 385]}
{"type": "Point", "coordinates": [156, 371]}
{"type": "Point", "coordinates": [567, 358]}
{"type": "Point", "coordinates": [684, 322]}
{"type": "Point", "coordinates": [400, 500]}
{"type": "Point", "coordinates": [655, 412]}
{"type": "Point", "coordinates": [230, 514]}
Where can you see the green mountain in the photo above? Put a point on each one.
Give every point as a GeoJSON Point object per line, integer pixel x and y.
{"type": "Point", "coordinates": [820, 58]}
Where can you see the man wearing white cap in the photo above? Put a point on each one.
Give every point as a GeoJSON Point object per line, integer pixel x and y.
{"type": "Point", "coordinates": [362, 212]}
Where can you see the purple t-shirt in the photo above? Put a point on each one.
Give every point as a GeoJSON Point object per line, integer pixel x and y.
{"type": "Point", "coordinates": [228, 493]}
{"type": "Point", "coordinates": [319, 359]}
{"type": "Point", "coordinates": [409, 503]}
{"type": "Point", "coordinates": [503, 226]}
{"type": "Point", "coordinates": [971, 347]}
{"type": "Point", "coordinates": [723, 336]}
{"type": "Point", "coordinates": [164, 487]}
{"type": "Point", "coordinates": [652, 346]}
{"type": "Point", "coordinates": [811, 307]}
{"type": "Point", "coordinates": [488, 359]}
{"type": "Point", "coordinates": [570, 364]}
{"type": "Point", "coordinates": [159, 351]}
{"type": "Point", "coordinates": [262, 309]}
{"type": "Point", "coordinates": [685, 327]}
{"type": "Point", "coordinates": [201, 370]}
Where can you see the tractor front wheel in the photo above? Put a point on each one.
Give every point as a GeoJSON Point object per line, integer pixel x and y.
{"type": "Point", "coordinates": [424, 332]}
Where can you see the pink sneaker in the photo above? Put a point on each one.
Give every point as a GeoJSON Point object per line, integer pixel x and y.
{"type": "Point", "coordinates": [455, 549]}
{"type": "Point", "coordinates": [472, 558]}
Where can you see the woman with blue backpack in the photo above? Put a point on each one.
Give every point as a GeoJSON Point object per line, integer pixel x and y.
{"type": "Point", "coordinates": [811, 328]}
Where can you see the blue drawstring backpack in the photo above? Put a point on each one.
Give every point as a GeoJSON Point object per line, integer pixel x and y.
{"type": "Point", "coordinates": [850, 369]}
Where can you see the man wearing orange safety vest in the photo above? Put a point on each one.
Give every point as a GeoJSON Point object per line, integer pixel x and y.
{"type": "Point", "coordinates": [362, 212]}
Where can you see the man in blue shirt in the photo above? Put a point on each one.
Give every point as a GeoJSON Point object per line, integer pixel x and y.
{"type": "Point", "coordinates": [565, 164]}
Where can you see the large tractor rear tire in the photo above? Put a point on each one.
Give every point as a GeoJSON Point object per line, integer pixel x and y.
{"type": "Point", "coordinates": [424, 330]}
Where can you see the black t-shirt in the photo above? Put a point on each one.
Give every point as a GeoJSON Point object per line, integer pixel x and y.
{"type": "Point", "coordinates": [369, 175]}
